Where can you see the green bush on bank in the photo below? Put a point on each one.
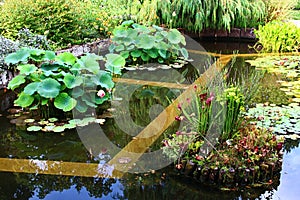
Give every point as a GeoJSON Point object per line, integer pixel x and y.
{"type": "Point", "coordinates": [278, 36]}
{"type": "Point", "coordinates": [63, 21]}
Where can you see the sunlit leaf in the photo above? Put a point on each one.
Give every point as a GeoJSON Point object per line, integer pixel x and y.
{"type": "Point", "coordinates": [34, 128]}
{"type": "Point", "coordinates": [27, 69]}
{"type": "Point", "coordinates": [16, 82]}
{"type": "Point", "coordinates": [66, 57]}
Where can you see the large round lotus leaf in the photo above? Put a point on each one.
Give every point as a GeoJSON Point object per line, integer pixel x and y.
{"type": "Point", "coordinates": [49, 88]}
{"type": "Point", "coordinates": [66, 57]}
{"type": "Point", "coordinates": [26, 69]}
{"type": "Point", "coordinates": [49, 55]}
{"type": "Point", "coordinates": [16, 82]}
{"type": "Point", "coordinates": [24, 100]}
{"type": "Point", "coordinates": [31, 88]}
{"type": "Point", "coordinates": [19, 56]}
{"type": "Point", "coordinates": [64, 102]}
{"type": "Point", "coordinates": [174, 36]}
{"type": "Point", "coordinates": [72, 81]}
{"type": "Point", "coordinates": [145, 41]}
{"type": "Point", "coordinates": [90, 63]}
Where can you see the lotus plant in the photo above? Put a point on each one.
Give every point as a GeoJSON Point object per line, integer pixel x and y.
{"type": "Point", "coordinates": [49, 82]}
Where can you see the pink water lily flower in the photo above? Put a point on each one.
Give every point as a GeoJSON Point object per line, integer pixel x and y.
{"type": "Point", "coordinates": [101, 93]}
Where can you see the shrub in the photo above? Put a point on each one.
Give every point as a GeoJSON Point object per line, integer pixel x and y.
{"type": "Point", "coordinates": [26, 38]}
{"type": "Point", "coordinates": [63, 21]}
{"type": "Point", "coordinates": [278, 37]}
{"type": "Point", "coordinates": [49, 83]}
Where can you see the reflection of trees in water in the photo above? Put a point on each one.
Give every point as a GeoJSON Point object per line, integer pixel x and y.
{"type": "Point", "coordinates": [24, 186]}
{"type": "Point", "coordinates": [290, 144]}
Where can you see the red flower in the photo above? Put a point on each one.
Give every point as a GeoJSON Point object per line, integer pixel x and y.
{"type": "Point", "coordinates": [209, 100]}
{"type": "Point", "coordinates": [203, 96]}
{"type": "Point", "coordinates": [179, 106]}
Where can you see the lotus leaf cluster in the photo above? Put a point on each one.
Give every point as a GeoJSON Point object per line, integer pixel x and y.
{"type": "Point", "coordinates": [64, 82]}
{"type": "Point", "coordinates": [140, 45]}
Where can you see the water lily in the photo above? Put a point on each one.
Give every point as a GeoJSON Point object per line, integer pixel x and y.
{"type": "Point", "coordinates": [101, 93]}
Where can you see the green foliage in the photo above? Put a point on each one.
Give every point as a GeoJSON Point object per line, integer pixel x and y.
{"type": "Point", "coordinates": [278, 37]}
{"type": "Point", "coordinates": [278, 9]}
{"type": "Point", "coordinates": [140, 44]}
{"type": "Point", "coordinates": [64, 22]}
{"type": "Point", "coordinates": [234, 105]}
{"type": "Point", "coordinates": [283, 120]}
{"type": "Point", "coordinates": [6, 46]}
{"type": "Point", "coordinates": [198, 15]}
{"type": "Point", "coordinates": [297, 5]}
{"type": "Point", "coordinates": [62, 82]}
{"type": "Point", "coordinates": [282, 65]}
{"type": "Point", "coordinates": [24, 39]}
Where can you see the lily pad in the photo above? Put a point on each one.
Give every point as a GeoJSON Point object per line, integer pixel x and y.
{"type": "Point", "coordinates": [58, 129]}
{"type": "Point", "coordinates": [29, 120]}
{"type": "Point", "coordinates": [34, 128]}
{"type": "Point", "coordinates": [52, 119]}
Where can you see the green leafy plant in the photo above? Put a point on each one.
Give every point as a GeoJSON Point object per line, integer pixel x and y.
{"type": "Point", "coordinates": [139, 44]}
{"type": "Point", "coordinates": [234, 104]}
{"type": "Point", "coordinates": [278, 10]}
{"type": "Point", "coordinates": [64, 22]}
{"type": "Point", "coordinates": [277, 36]}
{"type": "Point", "coordinates": [282, 65]}
{"type": "Point", "coordinates": [26, 38]}
{"type": "Point", "coordinates": [7, 46]}
{"type": "Point", "coordinates": [198, 15]}
{"type": "Point", "coordinates": [50, 82]}
{"type": "Point", "coordinates": [283, 120]}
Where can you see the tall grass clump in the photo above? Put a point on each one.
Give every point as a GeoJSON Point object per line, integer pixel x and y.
{"type": "Point", "coordinates": [278, 9]}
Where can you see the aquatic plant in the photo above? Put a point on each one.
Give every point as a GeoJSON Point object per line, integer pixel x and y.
{"type": "Point", "coordinates": [286, 65]}
{"type": "Point", "coordinates": [49, 82]}
{"type": "Point", "coordinates": [140, 44]}
{"type": "Point", "coordinates": [281, 120]}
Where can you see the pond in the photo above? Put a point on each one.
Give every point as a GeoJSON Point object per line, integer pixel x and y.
{"type": "Point", "coordinates": [44, 165]}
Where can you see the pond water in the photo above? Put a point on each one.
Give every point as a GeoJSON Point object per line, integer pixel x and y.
{"type": "Point", "coordinates": [43, 150]}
